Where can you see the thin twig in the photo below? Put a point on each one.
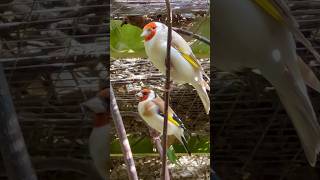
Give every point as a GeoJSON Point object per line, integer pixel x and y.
{"type": "Point", "coordinates": [192, 34]}
{"type": "Point", "coordinates": [124, 142]}
{"type": "Point", "coordinates": [167, 93]}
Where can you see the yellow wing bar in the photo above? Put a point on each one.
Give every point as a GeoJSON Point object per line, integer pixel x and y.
{"type": "Point", "coordinates": [189, 57]}
{"type": "Point", "coordinates": [191, 60]}
{"type": "Point", "coordinates": [170, 118]}
{"type": "Point", "coordinates": [270, 9]}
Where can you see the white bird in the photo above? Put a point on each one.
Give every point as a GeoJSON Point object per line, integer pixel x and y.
{"type": "Point", "coordinates": [99, 144]}
{"type": "Point", "coordinates": [260, 35]}
{"type": "Point", "coordinates": [185, 68]}
{"type": "Point", "coordinates": [151, 109]}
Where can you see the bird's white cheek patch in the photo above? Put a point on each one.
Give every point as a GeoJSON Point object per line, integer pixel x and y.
{"type": "Point", "coordinates": [276, 55]}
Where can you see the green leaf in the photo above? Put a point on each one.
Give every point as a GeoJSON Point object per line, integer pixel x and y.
{"type": "Point", "coordinates": [171, 155]}
{"type": "Point", "coordinates": [125, 40]}
{"type": "Point", "coordinates": [201, 27]}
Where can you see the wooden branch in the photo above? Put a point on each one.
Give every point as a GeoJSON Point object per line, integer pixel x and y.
{"type": "Point", "coordinates": [124, 142]}
{"type": "Point", "coordinates": [156, 140]}
{"type": "Point", "coordinates": [167, 93]}
{"type": "Point", "coordinates": [13, 149]}
{"type": "Point", "coordinates": [192, 34]}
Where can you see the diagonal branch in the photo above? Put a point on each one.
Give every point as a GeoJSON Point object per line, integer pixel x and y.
{"type": "Point", "coordinates": [192, 34]}
{"type": "Point", "coordinates": [124, 142]}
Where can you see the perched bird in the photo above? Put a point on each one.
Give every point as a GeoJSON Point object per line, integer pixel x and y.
{"type": "Point", "coordinates": [100, 137]}
{"type": "Point", "coordinates": [185, 68]}
{"type": "Point", "coordinates": [151, 109]}
{"type": "Point", "coordinates": [259, 35]}
{"type": "Point", "coordinates": [99, 146]}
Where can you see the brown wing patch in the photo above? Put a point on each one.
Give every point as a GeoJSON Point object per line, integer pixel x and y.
{"type": "Point", "coordinates": [147, 108]}
{"type": "Point", "coordinates": [158, 101]}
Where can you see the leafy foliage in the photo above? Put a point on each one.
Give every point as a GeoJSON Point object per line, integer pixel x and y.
{"type": "Point", "coordinates": [125, 41]}
{"type": "Point", "coordinates": [172, 155]}
{"type": "Point", "coordinates": [198, 144]}
{"type": "Point", "coordinates": [201, 27]}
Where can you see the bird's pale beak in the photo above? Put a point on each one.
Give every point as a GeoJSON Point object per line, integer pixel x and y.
{"type": "Point", "coordinates": [144, 33]}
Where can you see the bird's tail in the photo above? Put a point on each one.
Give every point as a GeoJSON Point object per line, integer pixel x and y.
{"type": "Point", "coordinates": [293, 94]}
{"type": "Point", "coordinates": [181, 137]}
{"type": "Point", "coordinates": [185, 145]}
{"type": "Point", "coordinates": [202, 92]}
{"type": "Point", "coordinates": [308, 76]}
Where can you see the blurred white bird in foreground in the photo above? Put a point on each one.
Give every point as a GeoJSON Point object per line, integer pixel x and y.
{"type": "Point", "coordinates": [100, 137]}
{"type": "Point", "coordinates": [259, 34]}
{"type": "Point", "coordinates": [99, 143]}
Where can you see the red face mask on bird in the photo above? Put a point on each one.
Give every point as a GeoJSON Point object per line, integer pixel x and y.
{"type": "Point", "coordinates": [149, 31]}
{"type": "Point", "coordinates": [144, 94]}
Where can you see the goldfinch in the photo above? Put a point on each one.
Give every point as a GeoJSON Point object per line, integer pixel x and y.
{"type": "Point", "coordinates": [151, 109]}
{"type": "Point", "coordinates": [99, 143]}
{"type": "Point", "coordinates": [185, 68]}
{"type": "Point", "coordinates": [259, 34]}
{"type": "Point", "coordinates": [100, 137]}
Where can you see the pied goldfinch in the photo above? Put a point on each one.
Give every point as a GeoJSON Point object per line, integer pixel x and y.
{"type": "Point", "coordinates": [151, 109]}
{"type": "Point", "coordinates": [99, 144]}
{"type": "Point", "coordinates": [258, 34]}
{"type": "Point", "coordinates": [185, 68]}
{"type": "Point", "coordinates": [100, 137]}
